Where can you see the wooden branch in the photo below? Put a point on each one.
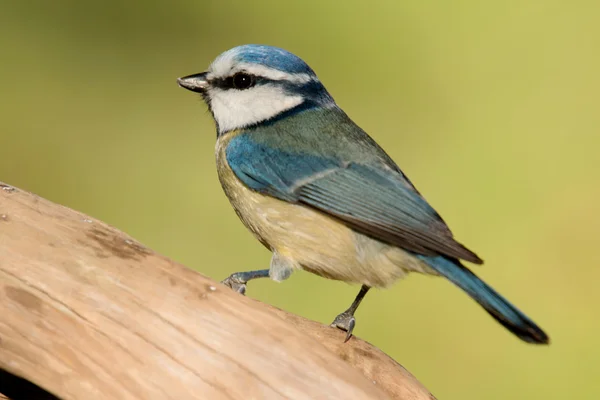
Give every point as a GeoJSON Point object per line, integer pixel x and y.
{"type": "Point", "coordinates": [89, 313]}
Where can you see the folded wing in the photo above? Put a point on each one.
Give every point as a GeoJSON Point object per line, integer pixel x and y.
{"type": "Point", "coordinates": [371, 199]}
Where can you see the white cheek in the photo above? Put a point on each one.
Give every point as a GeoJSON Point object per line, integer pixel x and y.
{"type": "Point", "coordinates": [239, 108]}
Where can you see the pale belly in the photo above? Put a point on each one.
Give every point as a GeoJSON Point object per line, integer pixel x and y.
{"type": "Point", "coordinates": [311, 240]}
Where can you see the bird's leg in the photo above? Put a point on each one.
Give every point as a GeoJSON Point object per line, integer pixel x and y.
{"type": "Point", "coordinates": [346, 321]}
{"type": "Point", "coordinates": [238, 280]}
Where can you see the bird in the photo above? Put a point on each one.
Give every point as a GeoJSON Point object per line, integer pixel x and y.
{"type": "Point", "coordinates": [318, 192]}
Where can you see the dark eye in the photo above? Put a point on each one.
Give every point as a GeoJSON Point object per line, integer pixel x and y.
{"type": "Point", "coordinates": [242, 81]}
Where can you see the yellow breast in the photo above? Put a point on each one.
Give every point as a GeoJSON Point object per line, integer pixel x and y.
{"type": "Point", "coordinates": [311, 239]}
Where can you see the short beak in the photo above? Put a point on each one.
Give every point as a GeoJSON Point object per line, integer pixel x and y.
{"type": "Point", "coordinates": [195, 83]}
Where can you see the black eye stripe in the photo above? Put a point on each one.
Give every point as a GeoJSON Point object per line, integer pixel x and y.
{"type": "Point", "coordinates": [238, 81]}
{"type": "Point", "coordinates": [306, 89]}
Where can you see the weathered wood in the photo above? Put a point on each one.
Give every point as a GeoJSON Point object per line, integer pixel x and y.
{"type": "Point", "coordinates": [87, 312]}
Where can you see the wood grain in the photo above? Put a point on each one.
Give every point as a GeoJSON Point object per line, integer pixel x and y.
{"type": "Point", "coordinates": [90, 313]}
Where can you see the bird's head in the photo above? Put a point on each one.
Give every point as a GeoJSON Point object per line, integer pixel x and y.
{"type": "Point", "coordinates": [251, 84]}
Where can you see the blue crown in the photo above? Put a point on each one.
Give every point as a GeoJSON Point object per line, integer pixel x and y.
{"type": "Point", "coordinates": [272, 57]}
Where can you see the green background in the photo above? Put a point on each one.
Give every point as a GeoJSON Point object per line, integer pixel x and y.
{"type": "Point", "coordinates": [491, 108]}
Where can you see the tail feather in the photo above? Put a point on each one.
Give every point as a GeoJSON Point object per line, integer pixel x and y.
{"type": "Point", "coordinates": [496, 305]}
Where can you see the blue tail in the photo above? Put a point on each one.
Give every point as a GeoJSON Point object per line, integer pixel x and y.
{"type": "Point", "coordinates": [496, 305]}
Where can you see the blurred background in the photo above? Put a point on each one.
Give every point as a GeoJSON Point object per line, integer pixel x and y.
{"type": "Point", "coordinates": [490, 108]}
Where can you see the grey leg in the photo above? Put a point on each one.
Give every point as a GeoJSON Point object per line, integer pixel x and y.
{"type": "Point", "coordinates": [238, 280]}
{"type": "Point", "coordinates": [346, 321]}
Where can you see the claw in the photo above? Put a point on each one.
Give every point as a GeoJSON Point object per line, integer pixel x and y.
{"type": "Point", "coordinates": [351, 325]}
{"type": "Point", "coordinates": [235, 284]}
{"type": "Point", "coordinates": [346, 322]}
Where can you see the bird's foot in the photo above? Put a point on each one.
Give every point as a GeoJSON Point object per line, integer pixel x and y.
{"type": "Point", "coordinates": [236, 283]}
{"type": "Point", "coordinates": [346, 322]}
{"type": "Point", "coordinates": [239, 280]}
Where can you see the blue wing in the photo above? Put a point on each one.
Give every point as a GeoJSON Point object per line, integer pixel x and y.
{"type": "Point", "coordinates": [374, 199]}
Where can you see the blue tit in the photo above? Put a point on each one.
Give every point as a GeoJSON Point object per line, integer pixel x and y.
{"type": "Point", "coordinates": [320, 193]}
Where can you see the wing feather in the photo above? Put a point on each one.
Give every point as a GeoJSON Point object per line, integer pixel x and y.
{"type": "Point", "coordinates": [371, 199]}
